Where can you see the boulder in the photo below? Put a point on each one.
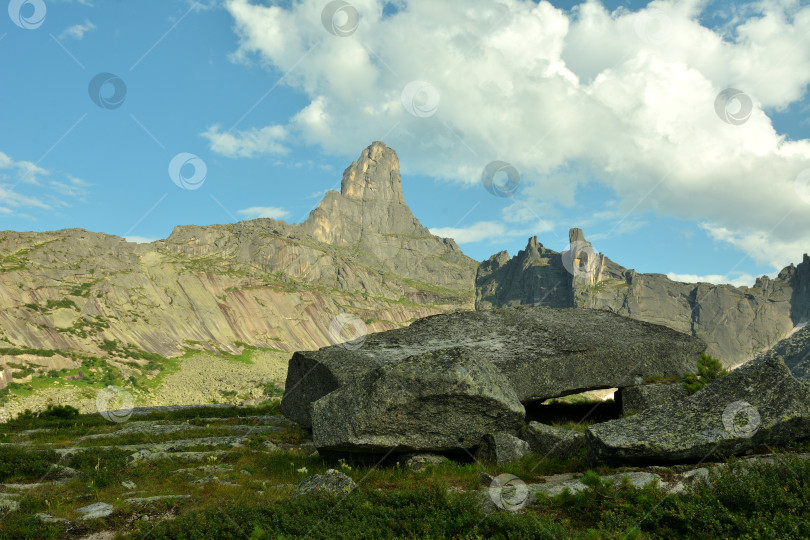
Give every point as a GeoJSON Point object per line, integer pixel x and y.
{"type": "Point", "coordinates": [421, 462]}
{"type": "Point", "coordinates": [332, 482]}
{"type": "Point", "coordinates": [759, 403]}
{"type": "Point", "coordinates": [551, 441]}
{"type": "Point", "coordinates": [638, 398]}
{"type": "Point", "coordinates": [543, 353]}
{"type": "Point", "coordinates": [500, 448]}
{"type": "Point", "coordinates": [96, 510]}
{"type": "Point", "coordinates": [437, 401]}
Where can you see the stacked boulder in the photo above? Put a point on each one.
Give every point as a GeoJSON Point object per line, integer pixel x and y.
{"type": "Point", "coordinates": [458, 382]}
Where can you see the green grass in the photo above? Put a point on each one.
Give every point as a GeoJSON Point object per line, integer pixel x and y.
{"type": "Point", "coordinates": [770, 501]}
{"type": "Point", "coordinates": [764, 501]}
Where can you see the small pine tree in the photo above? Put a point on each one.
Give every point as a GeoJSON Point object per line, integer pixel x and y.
{"type": "Point", "coordinates": [709, 369]}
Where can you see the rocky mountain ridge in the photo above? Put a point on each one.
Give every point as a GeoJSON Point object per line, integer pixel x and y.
{"type": "Point", "coordinates": [72, 294]}
{"type": "Point", "coordinates": [737, 323]}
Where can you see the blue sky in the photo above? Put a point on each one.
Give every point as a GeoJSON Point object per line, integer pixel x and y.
{"type": "Point", "coordinates": [608, 111]}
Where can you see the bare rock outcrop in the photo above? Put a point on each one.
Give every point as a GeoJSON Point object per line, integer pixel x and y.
{"type": "Point", "coordinates": [758, 403]}
{"type": "Point", "coordinates": [543, 353]}
{"type": "Point", "coordinates": [736, 323]}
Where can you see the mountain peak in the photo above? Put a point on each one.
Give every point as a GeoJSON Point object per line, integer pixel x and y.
{"type": "Point", "coordinates": [374, 176]}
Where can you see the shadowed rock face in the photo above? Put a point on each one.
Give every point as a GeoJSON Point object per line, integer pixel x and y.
{"type": "Point", "coordinates": [437, 401]}
{"type": "Point", "coordinates": [758, 403]}
{"type": "Point", "coordinates": [543, 352]}
{"type": "Point", "coordinates": [262, 282]}
{"type": "Point", "coordinates": [735, 322]}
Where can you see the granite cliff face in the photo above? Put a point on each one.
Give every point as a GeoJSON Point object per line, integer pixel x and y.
{"type": "Point", "coordinates": [70, 294]}
{"type": "Point", "coordinates": [736, 322]}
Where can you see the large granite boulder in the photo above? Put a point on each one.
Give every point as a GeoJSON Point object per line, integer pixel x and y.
{"type": "Point", "coordinates": [736, 322]}
{"type": "Point", "coordinates": [553, 442]}
{"type": "Point", "coordinates": [759, 403]}
{"type": "Point", "coordinates": [543, 353]}
{"type": "Point", "coordinates": [795, 352]}
{"type": "Point", "coordinates": [638, 398]}
{"type": "Point", "coordinates": [444, 400]}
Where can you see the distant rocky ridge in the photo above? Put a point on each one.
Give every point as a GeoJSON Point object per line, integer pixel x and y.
{"type": "Point", "coordinates": [737, 323]}
{"type": "Point", "coordinates": [262, 283]}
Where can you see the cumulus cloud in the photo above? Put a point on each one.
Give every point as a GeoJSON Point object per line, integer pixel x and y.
{"type": "Point", "coordinates": [248, 143]}
{"type": "Point", "coordinates": [263, 212]}
{"type": "Point", "coordinates": [625, 99]}
{"type": "Point", "coordinates": [738, 280]}
{"type": "Point", "coordinates": [77, 31]}
{"type": "Point", "coordinates": [487, 231]}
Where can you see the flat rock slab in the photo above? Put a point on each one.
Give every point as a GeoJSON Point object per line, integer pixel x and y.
{"type": "Point", "coordinates": [168, 446]}
{"type": "Point", "coordinates": [509, 493]}
{"type": "Point", "coordinates": [444, 400]}
{"type": "Point", "coordinates": [148, 500]}
{"type": "Point", "coordinates": [758, 403]}
{"type": "Point", "coordinates": [96, 510]}
{"type": "Point", "coordinates": [543, 352]}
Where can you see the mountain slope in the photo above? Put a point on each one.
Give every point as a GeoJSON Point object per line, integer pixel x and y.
{"type": "Point", "coordinates": [70, 295]}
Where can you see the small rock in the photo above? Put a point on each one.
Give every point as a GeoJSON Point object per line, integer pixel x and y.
{"type": "Point", "coordinates": [49, 518]}
{"type": "Point", "coordinates": [96, 510]}
{"type": "Point", "coordinates": [421, 462]}
{"type": "Point", "coordinates": [60, 472]}
{"type": "Point", "coordinates": [551, 441]}
{"type": "Point", "coordinates": [486, 479]}
{"type": "Point", "coordinates": [501, 447]}
{"type": "Point", "coordinates": [129, 484]}
{"type": "Point", "coordinates": [332, 481]}
{"type": "Point", "coordinates": [9, 505]}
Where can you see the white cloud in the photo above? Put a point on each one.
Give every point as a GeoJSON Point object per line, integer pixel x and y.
{"type": "Point", "coordinates": [77, 31]}
{"type": "Point", "coordinates": [263, 212]}
{"type": "Point", "coordinates": [140, 239]}
{"type": "Point", "coordinates": [249, 143]}
{"type": "Point", "coordinates": [739, 280]}
{"type": "Point", "coordinates": [51, 194]}
{"type": "Point", "coordinates": [545, 90]}
{"type": "Point", "coordinates": [488, 231]}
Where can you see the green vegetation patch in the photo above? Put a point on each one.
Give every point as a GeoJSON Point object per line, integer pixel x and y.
{"type": "Point", "coordinates": [709, 369]}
